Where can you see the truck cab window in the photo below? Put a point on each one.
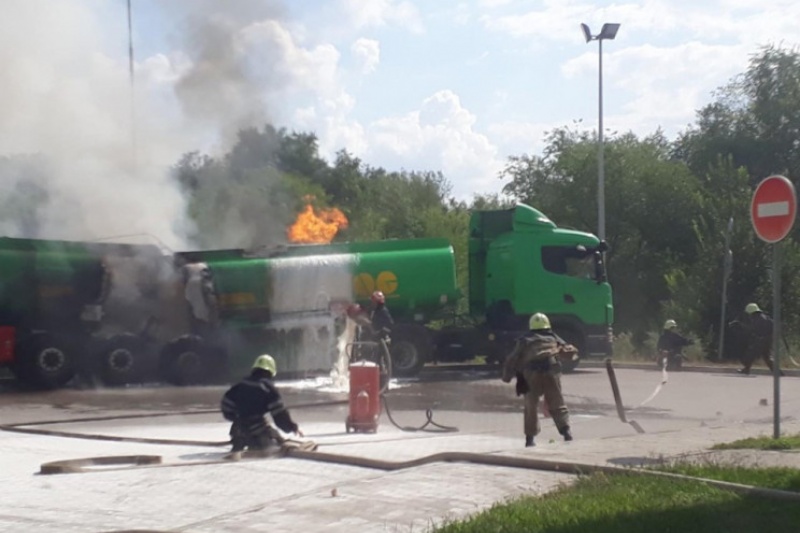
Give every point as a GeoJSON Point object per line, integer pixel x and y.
{"type": "Point", "coordinates": [569, 261]}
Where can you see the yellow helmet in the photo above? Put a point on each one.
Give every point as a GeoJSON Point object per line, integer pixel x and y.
{"type": "Point", "coordinates": [266, 362]}
{"type": "Point", "coordinates": [751, 308]}
{"type": "Point", "coordinates": [539, 321]}
{"type": "Point", "coordinates": [670, 324]}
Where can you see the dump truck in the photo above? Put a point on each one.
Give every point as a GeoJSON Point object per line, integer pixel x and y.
{"type": "Point", "coordinates": [193, 317]}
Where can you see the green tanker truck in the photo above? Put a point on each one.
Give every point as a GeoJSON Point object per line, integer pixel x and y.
{"type": "Point", "coordinates": [193, 317]}
{"type": "Point", "coordinates": [519, 263]}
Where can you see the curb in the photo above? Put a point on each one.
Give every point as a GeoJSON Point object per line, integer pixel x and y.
{"type": "Point", "coordinates": [686, 368]}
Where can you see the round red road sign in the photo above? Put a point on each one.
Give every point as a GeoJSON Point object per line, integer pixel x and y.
{"type": "Point", "coordinates": [773, 208]}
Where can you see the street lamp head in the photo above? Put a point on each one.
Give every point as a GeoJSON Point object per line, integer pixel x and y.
{"type": "Point", "coordinates": [609, 31]}
{"type": "Point", "coordinates": [586, 32]}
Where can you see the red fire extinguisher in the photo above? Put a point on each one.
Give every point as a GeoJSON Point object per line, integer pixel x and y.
{"type": "Point", "coordinates": [365, 399]}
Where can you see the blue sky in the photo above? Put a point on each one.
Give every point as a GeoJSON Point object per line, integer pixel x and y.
{"type": "Point", "coordinates": [460, 86]}
{"type": "Point", "coordinates": [455, 86]}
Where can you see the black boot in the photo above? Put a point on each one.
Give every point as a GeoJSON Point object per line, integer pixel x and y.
{"type": "Point", "coordinates": [529, 441]}
{"type": "Point", "coordinates": [566, 433]}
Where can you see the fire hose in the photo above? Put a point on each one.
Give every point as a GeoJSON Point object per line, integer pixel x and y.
{"type": "Point", "coordinates": [567, 467]}
{"type": "Point", "coordinates": [484, 459]}
{"type": "Point", "coordinates": [384, 362]}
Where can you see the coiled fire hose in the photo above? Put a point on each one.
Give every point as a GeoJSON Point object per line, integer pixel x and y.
{"type": "Point", "coordinates": [384, 362]}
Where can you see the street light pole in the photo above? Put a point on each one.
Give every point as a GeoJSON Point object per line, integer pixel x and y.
{"type": "Point", "coordinates": [609, 31]}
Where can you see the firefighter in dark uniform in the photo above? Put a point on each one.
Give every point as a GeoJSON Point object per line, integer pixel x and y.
{"type": "Point", "coordinates": [246, 403]}
{"type": "Point", "coordinates": [380, 317]}
{"type": "Point", "coordinates": [535, 363]}
{"type": "Point", "coordinates": [757, 326]}
{"type": "Point", "coordinates": [670, 346]}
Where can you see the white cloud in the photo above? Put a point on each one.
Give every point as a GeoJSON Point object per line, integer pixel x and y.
{"type": "Point", "coordinates": [662, 85]}
{"type": "Point", "coordinates": [737, 20]}
{"type": "Point", "coordinates": [377, 13]}
{"type": "Point", "coordinates": [368, 54]}
{"type": "Point", "coordinates": [439, 136]}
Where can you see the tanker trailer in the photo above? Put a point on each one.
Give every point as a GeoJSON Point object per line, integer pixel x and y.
{"type": "Point", "coordinates": [48, 289]}
{"type": "Point", "coordinates": [284, 302]}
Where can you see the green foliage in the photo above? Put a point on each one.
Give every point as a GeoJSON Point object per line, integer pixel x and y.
{"type": "Point", "coordinates": [649, 236]}
{"type": "Point", "coordinates": [627, 503]}
{"type": "Point", "coordinates": [787, 442]}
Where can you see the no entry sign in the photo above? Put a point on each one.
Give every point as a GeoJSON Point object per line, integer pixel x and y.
{"type": "Point", "coordinates": [773, 208]}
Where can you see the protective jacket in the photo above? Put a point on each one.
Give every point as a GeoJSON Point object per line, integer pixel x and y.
{"type": "Point", "coordinates": [536, 351]}
{"type": "Point", "coordinates": [254, 397]}
{"type": "Point", "coordinates": [759, 325]}
{"type": "Point", "coordinates": [381, 319]}
{"type": "Point", "coordinates": [672, 342]}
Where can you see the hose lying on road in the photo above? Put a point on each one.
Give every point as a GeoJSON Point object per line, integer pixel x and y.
{"type": "Point", "coordinates": [530, 463]}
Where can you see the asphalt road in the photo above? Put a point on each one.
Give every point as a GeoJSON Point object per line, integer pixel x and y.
{"type": "Point", "coordinates": [691, 411]}
{"type": "Point", "coordinates": [472, 398]}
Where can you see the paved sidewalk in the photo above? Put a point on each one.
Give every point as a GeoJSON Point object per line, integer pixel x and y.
{"type": "Point", "coordinates": [288, 495]}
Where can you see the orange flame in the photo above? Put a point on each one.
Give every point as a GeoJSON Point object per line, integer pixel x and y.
{"type": "Point", "coordinates": [316, 226]}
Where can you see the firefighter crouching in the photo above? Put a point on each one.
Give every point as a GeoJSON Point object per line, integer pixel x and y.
{"type": "Point", "coordinates": [535, 363]}
{"type": "Point", "coordinates": [670, 346]}
{"type": "Point", "coordinates": [246, 403]}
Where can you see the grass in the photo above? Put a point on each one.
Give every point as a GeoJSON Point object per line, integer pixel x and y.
{"type": "Point", "coordinates": [789, 442]}
{"type": "Point", "coordinates": [626, 503]}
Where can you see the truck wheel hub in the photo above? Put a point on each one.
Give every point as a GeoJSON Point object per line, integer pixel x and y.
{"type": "Point", "coordinates": [404, 355]}
{"type": "Point", "coordinates": [188, 360]}
{"type": "Point", "coordinates": [120, 360]}
{"type": "Point", "coordinates": [51, 359]}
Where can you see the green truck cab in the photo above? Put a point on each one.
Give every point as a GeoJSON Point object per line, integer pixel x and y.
{"type": "Point", "coordinates": [521, 263]}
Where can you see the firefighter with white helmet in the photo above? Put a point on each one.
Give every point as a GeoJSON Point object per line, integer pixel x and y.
{"type": "Point", "coordinates": [535, 363]}
{"type": "Point", "coordinates": [757, 326]}
{"type": "Point", "coordinates": [246, 403]}
{"type": "Point", "coordinates": [670, 346]}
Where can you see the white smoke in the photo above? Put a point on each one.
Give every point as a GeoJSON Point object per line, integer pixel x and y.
{"type": "Point", "coordinates": [91, 171]}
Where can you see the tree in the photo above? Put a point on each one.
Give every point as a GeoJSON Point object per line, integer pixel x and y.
{"type": "Point", "coordinates": [652, 205]}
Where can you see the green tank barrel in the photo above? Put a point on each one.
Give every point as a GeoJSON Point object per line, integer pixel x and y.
{"type": "Point", "coordinates": [417, 277]}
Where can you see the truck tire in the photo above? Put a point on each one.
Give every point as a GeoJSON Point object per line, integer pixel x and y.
{"type": "Point", "coordinates": [189, 361]}
{"type": "Point", "coordinates": [45, 362]}
{"type": "Point", "coordinates": [574, 337]}
{"type": "Point", "coordinates": [410, 348]}
{"type": "Point", "coordinates": [121, 360]}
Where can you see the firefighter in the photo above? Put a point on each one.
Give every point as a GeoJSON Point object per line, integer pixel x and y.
{"type": "Point", "coordinates": [757, 326]}
{"type": "Point", "coordinates": [535, 363]}
{"type": "Point", "coordinates": [246, 403]}
{"type": "Point", "coordinates": [670, 346]}
{"type": "Point", "coordinates": [380, 317]}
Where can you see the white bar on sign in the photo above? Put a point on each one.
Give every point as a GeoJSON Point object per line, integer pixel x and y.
{"type": "Point", "coordinates": [773, 209]}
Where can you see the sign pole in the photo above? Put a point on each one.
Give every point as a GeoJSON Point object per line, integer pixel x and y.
{"type": "Point", "coordinates": [776, 337]}
{"type": "Point", "coordinates": [773, 210]}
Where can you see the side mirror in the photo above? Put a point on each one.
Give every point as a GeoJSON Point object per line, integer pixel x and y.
{"type": "Point", "coordinates": [602, 247]}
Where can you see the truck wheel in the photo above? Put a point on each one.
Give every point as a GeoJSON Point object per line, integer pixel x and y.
{"type": "Point", "coordinates": [188, 361]}
{"type": "Point", "coordinates": [575, 338]}
{"type": "Point", "coordinates": [121, 360]}
{"type": "Point", "coordinates": [46, 362]}
{"type": "Point", "coordinates": [410, 348]}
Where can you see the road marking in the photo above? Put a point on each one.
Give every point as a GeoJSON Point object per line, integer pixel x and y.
{"type": "Point", "coordinates": [773, 209]}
